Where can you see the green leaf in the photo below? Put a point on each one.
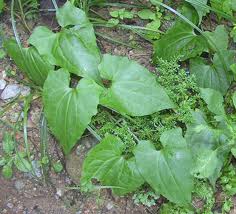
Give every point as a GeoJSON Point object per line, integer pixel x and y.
{"type": "Point", "coordinates": [43, 39]}
{"type": "Point", "coordinates": [234, 99]}
{"type": "Point", "coordinates": [211, 76]}
{"type": "Point", "coordinates": [206, 164]}
{"type": "Point", "coordinates": [7, 171]}
{"type": "Point", "coordinates": [1, 5]}
{"type": "Point", "coordinates": [167, 171]}
{"type": "Point", "coordinates": [122, 14]}
{"type": "Point", "coordinates": [74, 49]}
{"type": "Point", "coordinates": [106, 163]}
{"type": "Point", "coordinates": [226, 6]}
{"type": "Point", "coordinates": [199, 5]}
{"type": "Point", "coordinates": [133, 90]}
{"type": "Point", "coordinates": [29, 61]}
{"type": "Point", "coordinates": [68, 15]}
{"type": "Point", "coordinates": [214, 100]}
{"type": "Point", "coordinates": [207, 146]}
{"type": "Point", "coordinates": [57, 167]}
{"type": "Point", "coordinates": [8, 143]}
{"type": "Point", "coordinates": [22, 164]}
{"type": "Point", "coordinates": [2, 53]}
{"type": "Point", "coordinates": [146, 14]}
{"type": "Point", "coordinates": [180, 40]}
{"type": "Point", "coordinates": [77, 51]}
{"type": "Point", "coordinates": [219, 37]}
{"type": "Point", "coordinates": [69, 110]}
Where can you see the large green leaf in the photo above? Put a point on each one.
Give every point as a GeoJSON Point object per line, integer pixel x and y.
{"type": "Point", "coordinates": [74, 49]}
{"type": "Point", "coordinates": [207, 164]}
{"type": "Point", "coordinates": [214, 100]}
{"type": "Point", "coordinates": [226, 6]}
{"type": "Point", "coordinates": [69, 110]}
{"type": "Point", "coordinates": [133, 90]}
{"type": "Point", "coordinates": [219, 37]}
{"type": "Point", "coordinates": [75, 52]}
{"type": "Point", "coordinates": [180, 40]}
{"type": "Point", "coordinates": [200, 6]}
{"type": "Point", "coordinates": [212, 76]}
{"type": "Point", "coordinates": [69, 15]}
{"type": "Point", "coordinates": [167, 170]}
{"type": "Point", "coordinates": [44, 40]}
{"type": "Point", "coordinates": [209, 147]}
{"type": "Point", "coordinates": [106, 163]}
{"type": "Point", "coordinates": [29, 61]}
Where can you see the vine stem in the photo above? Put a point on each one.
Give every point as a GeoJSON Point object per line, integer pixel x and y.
{"type": "Point", "coordinates": [55, 4]}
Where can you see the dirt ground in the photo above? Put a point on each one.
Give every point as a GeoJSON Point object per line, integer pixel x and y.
{"type": "Point", "coordinates": [29, 194]}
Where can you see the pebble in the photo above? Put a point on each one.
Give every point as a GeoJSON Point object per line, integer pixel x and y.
{"type": "Point", "coordinates": [19, 185]}
{"type": "Point", "coordinates": [59, 192]}
{"type": "Point", "coordinates": [109, 206]}
{"type": "Point", "coordinates": [10, 205]}
{"type": "Point", "coordinates": [2, 84]}
{"type": "Point", "coordinates": [10, 91]}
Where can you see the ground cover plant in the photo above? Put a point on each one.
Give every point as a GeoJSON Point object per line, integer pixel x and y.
{"type": "Point", "coordinates": [169, 132]}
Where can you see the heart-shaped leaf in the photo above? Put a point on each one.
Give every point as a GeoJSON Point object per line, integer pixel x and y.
{"type": "Point", "coordinates": [213, 76]}
{"type": "Point", "coordinates": [69, 110]}
{"type": "Point", "coordinates": [29, 61]}
{"type": "Point", "coordinates": [69, 15]}
{"type": "Point", "coordinates": [106, 163]}
{"type": "Point", "coordinates": [180, 40]}
{"type": "Point", "coordinates": [167, 170]}
{"type": "Point", "coordinates": [214, 100]}
{"type": "Point", "coordinates": [134, 90]}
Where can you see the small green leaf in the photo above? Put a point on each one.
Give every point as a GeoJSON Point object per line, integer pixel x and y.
{"type": "Point", "coordinates": [22, 164]}
{"type": "Point", "coordinates": [214, 100]}
{"type": "Point", "coordinates": [167, 170]}
{"type": "Point", "coordinates": [154, 25]}
{"type": "Point", "coordinates": [146, 14]}
{"type": "Point", "coordinates": [29, 61]}
{"type": "Point", "coordinates": [112, 22]}
{"type": "Point", "coordinates": [134, 90]}
{"type": "Point", "coordinates": [122, 14]}
{"type": "Point", "coordinates": [69, 110]}
{"type": "Point", "coordinates": [57, 167]}
{"type": "Point", "coordinates": [68, 15]}
{"type": "Point", "coordinates": [7, 171]}
{"type": "Point", "coordinates": [8, 143]}
{"type": "Point", "coordinates": [106, 163]}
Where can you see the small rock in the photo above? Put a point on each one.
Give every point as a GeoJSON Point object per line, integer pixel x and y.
{"type": "Point", "coordinates": [78, 212]}
{"type": "Point", "coordinates": [10, 205]}
{"type": "Point", "coordinates": [59, 192]}
{"type": "Point", "coordinates": [10, 91]}
{"type": "Point", "coordinates": [25, 91]}
{"type": "Point", "coordinates": [109, 205]}
{"type": "Point", "coordinates": [2, 84]}
{"type": "Point", "coordinates": [19, 185]}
